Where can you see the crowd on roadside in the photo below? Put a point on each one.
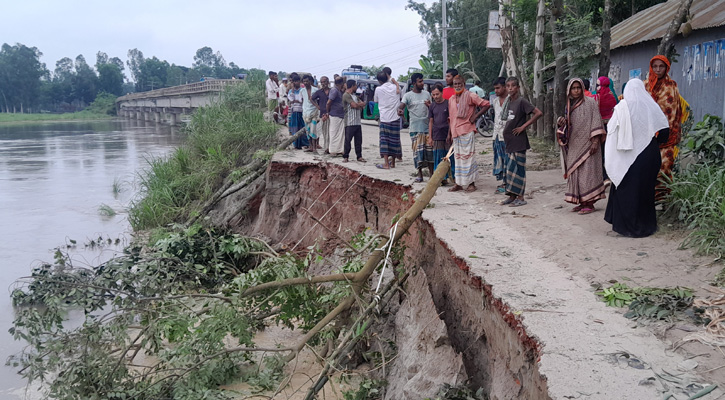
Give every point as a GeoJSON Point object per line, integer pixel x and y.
{"type": "Point", "coordinates": [627, 142]}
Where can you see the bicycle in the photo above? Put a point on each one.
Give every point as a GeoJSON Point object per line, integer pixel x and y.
{"type": "Point", "coordinates": [484, 124]}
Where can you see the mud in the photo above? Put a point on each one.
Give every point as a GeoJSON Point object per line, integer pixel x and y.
{"type": "Point", "coordinates": [450, 328]}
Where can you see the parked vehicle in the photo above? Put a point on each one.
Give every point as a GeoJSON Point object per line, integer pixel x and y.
{"type": "Point", "coordinates": [371, 111]}
{"type": "Point", "coordinates": [355, 72]}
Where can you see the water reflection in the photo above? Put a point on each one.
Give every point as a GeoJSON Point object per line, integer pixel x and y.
{"type": "Point", "coordinates": [53, 178]}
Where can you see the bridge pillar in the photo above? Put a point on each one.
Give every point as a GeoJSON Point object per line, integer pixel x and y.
{"type": "Point", "coordinates": [172, 119]}
{"type": "Point", "coordinates": [157, 116]}
{"type": "Point", "coordinates": [139, 115]}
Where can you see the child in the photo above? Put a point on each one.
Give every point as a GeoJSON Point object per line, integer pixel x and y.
{"type": "Point", "coordinates": [499, 147]}
{"type": "Point", "coordinates": [438, 127]}
{"type": "Point", "coordinates": [353, 127]}
{"type": "Point", "coordinates": [516, 110]}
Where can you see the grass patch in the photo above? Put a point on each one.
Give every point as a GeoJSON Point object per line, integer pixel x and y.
{"type": "Point", "coordinates": [221, 138]}
{"type": "Point", "coordinates": [106, 210]}
{"type": "Point", "coordinates": [76, 116]}
{"type": "Point", "coordinates": [697, 201]}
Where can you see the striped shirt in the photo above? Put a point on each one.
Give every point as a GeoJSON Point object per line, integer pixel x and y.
{"type": "Point", "coordinates": [352, 115]}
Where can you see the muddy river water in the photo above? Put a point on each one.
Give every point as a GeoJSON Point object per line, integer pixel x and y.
{"type": "Point", "coordinates": [54, 177]}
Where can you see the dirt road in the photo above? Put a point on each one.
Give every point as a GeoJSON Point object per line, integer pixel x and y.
{"type": "Point", "coordinates": [545, 261]}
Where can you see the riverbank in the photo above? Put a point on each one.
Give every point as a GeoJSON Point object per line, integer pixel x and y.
{"type": "Point", "coordinates": [540, 266]}
{"type": "Point", "coordinates": [16, 118]}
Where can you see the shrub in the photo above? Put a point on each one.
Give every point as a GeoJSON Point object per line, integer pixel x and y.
{"type": "Point", "coordinates": [221, 138]}
{"type": "Point", "coordinates": [706, 142]}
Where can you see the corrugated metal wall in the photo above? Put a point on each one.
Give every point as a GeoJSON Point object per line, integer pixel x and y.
{"type": "Point", "coordinates": [699, 76]}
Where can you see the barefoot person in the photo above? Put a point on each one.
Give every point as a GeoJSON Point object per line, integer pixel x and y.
{"type": "Point", "coordinates": [353, 128]}
{"type": "Point", "coordinates": [633, 161]}
{"type": "Point", "coordinates": [499, 147]}
{"type": "Point", "coordinates": [416, 101]}
{"type": "Point", "coordinates": [581, 134]}
{"type": "Point", "coordinates": [310, 112]}
{"type": "Point", "coordinates": [462, 110]}
{"type": "Point", "coordinates": [438, 128]}
{"type": "Point", "coordinates": [388, 99]}
{"type": "Point", "coordinates": [516, 110]}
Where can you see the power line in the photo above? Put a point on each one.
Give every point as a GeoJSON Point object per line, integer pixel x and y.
{"type": "Point", "coordinates": [364, 52]}
{"type": "Point", "coordinates": [417, 50]}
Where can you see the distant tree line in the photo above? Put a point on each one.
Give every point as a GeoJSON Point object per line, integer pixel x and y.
{"type": "Point", "coordinates": [27, 85]}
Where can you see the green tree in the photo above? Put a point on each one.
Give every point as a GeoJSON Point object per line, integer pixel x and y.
{"type": "Point", "coordinates": [110, 79]}
{"type": "Point", "coordinates": [85, 82]}
{"type": "Point", "coordinates": [20, 74]}
{"type": "Point", "coordinates": [135, 59]}
{"type": "Point", "coordinates": [153, 74]}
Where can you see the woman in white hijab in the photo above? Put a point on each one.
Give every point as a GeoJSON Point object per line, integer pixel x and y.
{"type": "Point", "coordinates": [632, 160]}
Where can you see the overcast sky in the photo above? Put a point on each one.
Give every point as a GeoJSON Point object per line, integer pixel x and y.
{"type": "Point", "coordinates": [321, 37]}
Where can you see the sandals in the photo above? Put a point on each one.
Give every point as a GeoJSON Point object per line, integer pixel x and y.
{"type": "Point", "coordinates": [586, 210]}
{"type": "Point", "coordinates": [577, 208]}
{"type": "Point", "coordinates": [361, 160]}
{"type": "Point", "coordinates": [507, 201]}
{"type": "Point", "coordinates": [345, 160]}
{"type": "Point", "coordinates": [518, 203]}
{"type": "Point", "coordinates": [382, 166]}
{"type": "Point", "coordinates": [456, 188]}
{"type": "Point", "coordinates": [471, 188]}
{"type": "Point", "coordinates": [419, 180]}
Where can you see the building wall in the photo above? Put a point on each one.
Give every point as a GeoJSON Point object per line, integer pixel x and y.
{"type": "Point", "coordinates": [700, 78]}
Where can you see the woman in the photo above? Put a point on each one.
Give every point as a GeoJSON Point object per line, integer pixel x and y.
{"type": "Point", "coordinates": [605, 99]}
{"type": "Point", "coordinates": [633, 161]}
{"type": "Point", "coordinates": [438, 127]}
{"type": "Point", "coordinates": [664, 91]}
{"type": "Point", "coordinates": [296, 122]}
{"type": "Point", "coordinates": [462, 110]}
{"type": "Point", "coordinates": [581, 136]}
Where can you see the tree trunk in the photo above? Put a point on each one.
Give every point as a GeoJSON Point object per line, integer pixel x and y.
{"type": "Point", "coordinates": [549, 120]}
{"type": "Point", "coordinates": [605, 61]}
{"type": "Point", "coordinates": [667, 46]}
{"type": "Point", "coordinates": [512, 60]}
{"type": "Point", "coordinates": [539, 63]}
{"type": "Point", "coordinates": [557, 36]}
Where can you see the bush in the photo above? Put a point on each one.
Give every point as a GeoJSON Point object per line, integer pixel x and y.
{"type": "Point", "coordinates": [706, 142]}
{"type": "Point", "coordinates": [105, 103]}
{"type": "Point", "coordinates": [221, 138]}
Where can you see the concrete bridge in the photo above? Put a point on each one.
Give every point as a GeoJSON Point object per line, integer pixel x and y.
{"type": "Point", "coordinates": [169, 104]}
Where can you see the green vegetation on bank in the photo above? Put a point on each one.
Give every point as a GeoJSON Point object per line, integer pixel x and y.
{"type": "Point", "coordinates": [104, 106]}
{"type": "Point", "coordinates": [221, 138]}
{"type": "Point", "coordinates": [697, 199]}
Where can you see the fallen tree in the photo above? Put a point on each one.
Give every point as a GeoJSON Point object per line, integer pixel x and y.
{"type": "Point", "coordinates": [178, 319]}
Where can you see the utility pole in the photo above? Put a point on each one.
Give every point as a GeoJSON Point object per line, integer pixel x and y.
{"type": "Point", "coordinates": [444, 26]}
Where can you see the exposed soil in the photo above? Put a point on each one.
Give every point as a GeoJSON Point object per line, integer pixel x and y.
{"type": "Point", "coordinates": [501, 297]}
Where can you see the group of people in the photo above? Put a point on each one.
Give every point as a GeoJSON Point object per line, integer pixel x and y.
{"type": "Point", "coordinates": [635, 138]}
{"type": "Point", "coordinates": [626, 142]}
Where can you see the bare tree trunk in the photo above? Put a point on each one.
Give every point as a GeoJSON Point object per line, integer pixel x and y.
{"type": "Point", "coordinates": [512, 60]}
{"type": "Point", "coordinates": [605, 61]}
{"type": "Point", "coordinates": [539, 63]}
{"type": "Point", "coordinates": [667, 46]}
{"type": "Point", "coordinates": [557, 36]}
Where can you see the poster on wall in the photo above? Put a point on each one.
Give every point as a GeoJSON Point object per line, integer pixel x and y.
{"type": "Point", "coordinates": [686, 64]}
{"type": "Point", "coordinates": [696, 62]}
{"type": "Point", "coordinates": [635, 73]}
{"type": "Point", "coordinates": [720, 58]}
{"type": "Point", "coordinates": [708, 60]}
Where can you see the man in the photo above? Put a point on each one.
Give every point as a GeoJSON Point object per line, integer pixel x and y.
{"type": "Point", "coordinates": [477, 90]}
{"type": "Point", "coordinates": [587, 86]}
{"type": "Point", "coordinates": [464, 108]}
{"type": "Point", "coordinates": [353, 127]}
{"type": "Point", "coordinates": [337, 115]}
{"type": "Point", "coordinates": [272, 86]}
{"type": "Point", "coordinates": [516, 110]}
{"type": "Point", "coordinates": [448, 91]}
{"type": "Point", "coordinates": [499, 120]}
{"type": "Point", "coordinates": [310, 112]}
{"type": "Point", "coordinates": [320, 98]}
{"type": "Point", "coordinates": [389, 73]}
{"type": "Point", "coordinates": [417, 102]}
{"type": "Point", "coordinates": [388, 99]}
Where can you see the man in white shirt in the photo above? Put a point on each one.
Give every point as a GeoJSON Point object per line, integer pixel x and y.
{"type": "Point", "coordinates": [477, 89]}
{"type": "Point", "coordinates": [388, 99]}
{"type": "Point", "coordinates": [272, 86]}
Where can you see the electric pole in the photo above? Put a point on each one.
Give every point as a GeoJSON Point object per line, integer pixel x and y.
{"type": "Point", "coordinates": [444, 27]}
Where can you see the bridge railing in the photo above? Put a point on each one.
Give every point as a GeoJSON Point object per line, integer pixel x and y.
{"type": "Point", "coordinates": [215, 85]}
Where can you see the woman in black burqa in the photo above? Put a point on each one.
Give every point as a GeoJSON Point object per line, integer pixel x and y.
{"type": "Point", "coordinates": [632, 160]}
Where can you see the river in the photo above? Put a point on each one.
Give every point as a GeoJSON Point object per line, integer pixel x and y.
{"type": "Point", "coordinates": [54, 177]}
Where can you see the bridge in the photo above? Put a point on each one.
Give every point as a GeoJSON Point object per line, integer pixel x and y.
{"type": "Point", "coordinates": [169, 104]}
